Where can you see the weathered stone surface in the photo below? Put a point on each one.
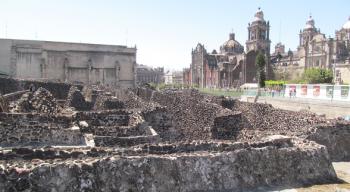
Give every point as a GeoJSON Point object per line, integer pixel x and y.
{"type": "Point", "coordinates": [76, 99]}
{"type": "Point", "coordinates": [37, 129]}
{"type": "Point", "coordinates": [41, 101]}
{"type": "Point", "coordinates": [191, 116]}
{"type": "Point", "coordinates": [4, 105]}
{"type": "Point", "coordinates": [58, 89]}
{"type": "Point", "coordinates": [165, 141]}
{"type": "Point", "coordinates": [336, 137]}
{"type": "Point", "coordinates": [238, 170]}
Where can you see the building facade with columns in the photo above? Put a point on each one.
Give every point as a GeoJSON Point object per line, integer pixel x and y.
{"type": "Point", "coordinates": [69, 62]}
{"type": "Point", "coordinates": [147, 74]}
{"type": "Point", "coordinates": [231, 66]}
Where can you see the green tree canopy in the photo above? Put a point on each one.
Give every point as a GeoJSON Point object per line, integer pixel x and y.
{"type": "Point", "coordinates": [318, 75]}
{"type": "Point", "coordinates": [260, 65]}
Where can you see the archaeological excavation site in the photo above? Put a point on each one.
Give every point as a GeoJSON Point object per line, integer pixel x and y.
{"type": "Point", "coordinates": [59, 137]}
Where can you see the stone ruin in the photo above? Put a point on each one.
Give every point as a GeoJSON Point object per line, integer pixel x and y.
{"type": "Point", "coordinates": [103, 139]}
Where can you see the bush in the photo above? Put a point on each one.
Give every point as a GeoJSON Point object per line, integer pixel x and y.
{"type": "Point", "coordinates": [317, 75]}
{"type": "Point", "coordinates": [274, 83]}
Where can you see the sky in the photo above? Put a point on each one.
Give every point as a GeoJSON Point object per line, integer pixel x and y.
{"type": "Point", "coordinates": [164, 31]}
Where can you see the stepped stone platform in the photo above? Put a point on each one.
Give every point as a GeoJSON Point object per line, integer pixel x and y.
{"type": "Point", "coordinates": [97, 138]}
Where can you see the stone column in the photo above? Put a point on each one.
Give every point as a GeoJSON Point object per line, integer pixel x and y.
{"type": "Point", "coordinates": [43, 71]}
{"type": "Point", "coordinates": [13, 62]}
{"type": "Point", "coordinates": [66, 70]}
{"type": "Point", "coordinates": [43, 65]}
{"type": "Point", "coordinates": [89, 69]}
{"type": "Point", "coordinates": [117, 70]}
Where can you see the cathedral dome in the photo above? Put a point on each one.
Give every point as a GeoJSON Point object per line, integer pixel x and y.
{"type": "Point", "coordinates": [259, 15]}
{"type": "Point", "coordinates": [232, 46]}
{"type": "Point", "coordinates": [310, 24]}
{"type": "Point", "coordinates": [347, 24]}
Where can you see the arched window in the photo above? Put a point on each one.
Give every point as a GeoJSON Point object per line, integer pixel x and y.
{"type": "Point", "coordinates": [90, 64]}
{"type": "Point", "coordinates": [117, 66]}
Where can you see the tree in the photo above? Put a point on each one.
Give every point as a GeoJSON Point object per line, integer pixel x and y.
{"type": "Point", "coordinates": [317, 75]}
{"type": "Point", "coordinates": [260, 73]}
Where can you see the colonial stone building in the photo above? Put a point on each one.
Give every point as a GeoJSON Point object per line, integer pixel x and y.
{"type": "Point", "coordinates": [178, 77]}
{"type": "Point", "coordinates": [315, 50]}
{"type": "Point", "coordinates": [146, 74]}
{"type": "Point", "coordinates": [69, 62]}
{"type": "Point", "coordinates": [231, 66]}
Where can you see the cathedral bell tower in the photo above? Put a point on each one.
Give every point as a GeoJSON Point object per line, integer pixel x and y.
{"type": "Point", "coordinates": [258, 41]}
{"type": "Point", "coordinates": [259, 34]}
{"type": "Point", "coordinates": [308, 32]}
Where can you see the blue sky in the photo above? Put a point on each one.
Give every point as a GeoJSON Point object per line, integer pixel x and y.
{"type": "Point", "coordinates": [164, 31]}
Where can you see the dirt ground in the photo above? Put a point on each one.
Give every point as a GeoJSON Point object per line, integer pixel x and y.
{"type": "Point", "coordinates": [343, 172]}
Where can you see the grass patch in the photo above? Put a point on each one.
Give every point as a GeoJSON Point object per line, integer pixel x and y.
{"type": "Point", "coordinates": [221, 92]}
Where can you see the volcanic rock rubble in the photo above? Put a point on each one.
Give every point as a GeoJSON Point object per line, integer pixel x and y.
{"type": "Point", "coordinates": [104, 139]}
{"type": "Point", "coordinates": [41, 101]}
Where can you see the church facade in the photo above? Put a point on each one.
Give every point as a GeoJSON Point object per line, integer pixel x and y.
{"type": "Point", "coordinates": [112, 65]}
{"type": "Point", "coordinates": [231, 66]}
{"type": "Point", "coordinates": [315, 50]}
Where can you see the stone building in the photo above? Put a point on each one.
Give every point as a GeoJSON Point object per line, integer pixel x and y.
{"type": "Point", "coordinates": [231, 66]}
{"type": "Point", "coordinates": [178, 77]}
{"type": "Point", "coordinates": [146, 74]}
{"type": "Point", "coordinates": [69, 62]}
{"type": "Point", "coordinates": [174, 78]}
{"type": "Point", "coordinates": [168, 78]}
{"type": "Point", "coordinates": [315, 50]}
{"type": "Point", "coordinates": [186, 75]}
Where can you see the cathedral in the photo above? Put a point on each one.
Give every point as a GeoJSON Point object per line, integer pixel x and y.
{"type": "Point", "coordinates": [231, 66]}
{"type": "Point", "coordinates": [315, 50]}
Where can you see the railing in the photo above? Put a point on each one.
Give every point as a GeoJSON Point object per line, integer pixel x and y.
{"type": "Point", "coordinates": [264, 93]}
{"type": "Point", "coordinates": [222, 92]}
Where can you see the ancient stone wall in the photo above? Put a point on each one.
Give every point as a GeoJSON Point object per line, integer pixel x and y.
{"type": "Point", "coordinates": [76, 99]}
{"type": "Point", "coordinates": [260, 120]}
{"type": "Point", "coordinates": [40, 101]}
{"type": "Point", "coordinates": [247, 167]}
{"type": "Point", "coordinates": [116, 127]}
{"type": "Point", "coordinates": [165, 141]}
{"type": "Point", "coordinates": [186, 114]}
{"type": "Point", "coordinates": [34, 129]}
{"type": "Point", "coordinates": [227, 126]}
{"type": "Point", "coordinates": [336, 137]}
{"type": "Point", "coordinates": [162, 122]}
{"type": "Point", "coordinates": [105, 118]}
{"type": "Point", "coordinates": [104, 141]}
{"type": "Point", "coordinates": [58, 90]}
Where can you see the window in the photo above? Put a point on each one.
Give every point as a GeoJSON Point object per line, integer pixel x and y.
{"type": "Point", "coordinates": [317, 63]}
